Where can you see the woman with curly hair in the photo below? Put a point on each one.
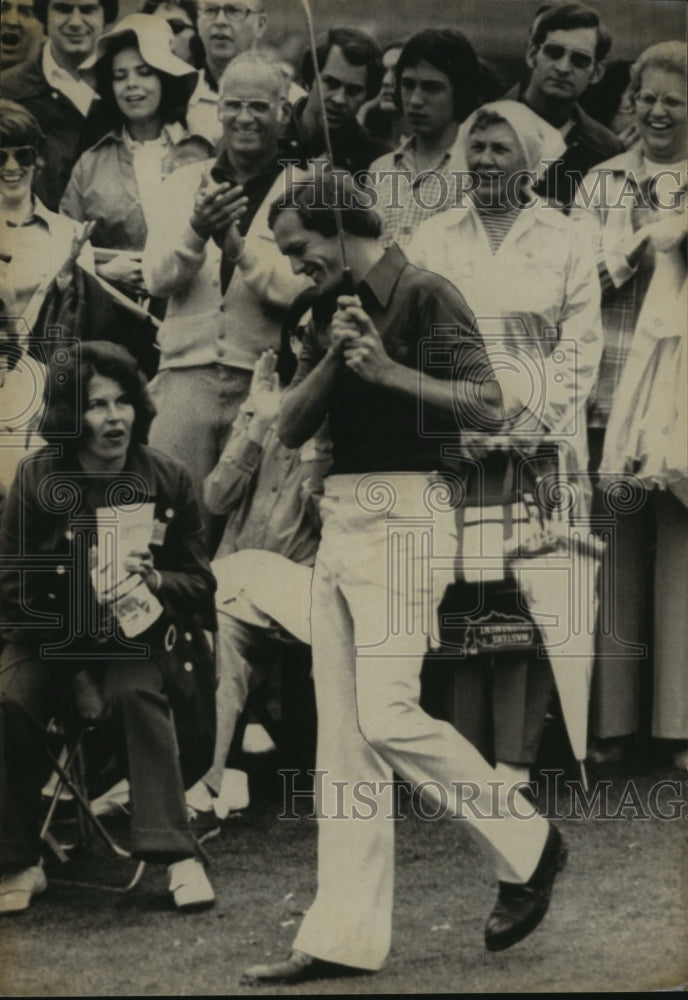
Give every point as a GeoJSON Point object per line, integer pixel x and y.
{"type": "Point", "coordinates": [635, 204]}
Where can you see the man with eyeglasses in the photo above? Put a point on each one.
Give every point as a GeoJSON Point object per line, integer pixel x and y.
{"type": "Point", "coordinates": [351, 71]}
{"type": "Point", "coordinates": [566, 52]}
{"type": "Point", "coordinates": [212, 253]}
{"type": "Point", "coordinates": [226, 30]}
{"type": "Point", "coordinates": [55, 90]}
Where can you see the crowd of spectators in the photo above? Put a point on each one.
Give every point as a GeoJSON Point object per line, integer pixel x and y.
{"type": "Point", "coordinates": [160, 166]}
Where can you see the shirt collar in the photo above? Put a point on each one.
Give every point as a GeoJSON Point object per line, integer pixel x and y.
{"type": "Point", "coordinates": [55, 74]}
{"type": "Point", "coordinates": [407, 150]}
{"type": "Point", "coordinates": [383, 276]}
{"type": "Point", "coordinates": [40, 215]}
{"type": "Point", "coordinates": [170, 133]}
{"type": "Point", "coordinates": [535, 213]}
{"type": "Point", "coordinates": [222, 170]}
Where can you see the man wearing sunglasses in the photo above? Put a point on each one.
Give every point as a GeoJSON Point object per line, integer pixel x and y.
{"type": "Point", "coordinates": [52, 87]}
{"type": "Point", "coordinates": [226, 30]}
{"type": "Point", "coordinates": [566, 53]}
{"type": "Point", "coordinates": [351, 71]}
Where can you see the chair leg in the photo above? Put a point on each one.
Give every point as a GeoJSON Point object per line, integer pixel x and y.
{"type": "Point", "coordinates": [70, 771]}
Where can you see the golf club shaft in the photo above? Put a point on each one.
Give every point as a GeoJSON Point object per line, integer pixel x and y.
{"type": "Point", "coordinates": [347, 279]}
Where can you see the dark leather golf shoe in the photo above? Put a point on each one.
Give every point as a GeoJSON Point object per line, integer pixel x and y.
{"type": "Point", "coordinates": [521, 906]}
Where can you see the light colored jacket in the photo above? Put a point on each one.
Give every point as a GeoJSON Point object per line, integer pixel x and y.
{"type": "Point", "coordinates": [201, 326]}
{"type": "Point", "coordinates": [103, 188]}
{"type": "Point", "coordinates": [537, 303]}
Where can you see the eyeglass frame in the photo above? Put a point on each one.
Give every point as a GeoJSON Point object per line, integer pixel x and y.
{"type": "Point", "coordinates": [13, 150]}
{"type": "Point", "coordinates": [575, 55]}
{"type": "Point", "coordinates": [245, 104]}
{"type": "Point", "coordinates": [203, 10]}
{"type": "Point", "coordinates": [642, 98]}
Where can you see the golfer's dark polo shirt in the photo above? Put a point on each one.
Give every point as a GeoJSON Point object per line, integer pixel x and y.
{"type": "Point", "coordinates": [426, 325]}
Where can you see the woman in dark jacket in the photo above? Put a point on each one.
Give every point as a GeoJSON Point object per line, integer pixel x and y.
{"type": "Point", "coordinates": [103, 565]}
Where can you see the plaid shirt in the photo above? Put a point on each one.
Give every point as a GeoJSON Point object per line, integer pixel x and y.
{"type": "Point", "coordinates": [405, 202]}
{"type": "Point", "coordinates": [623, 286]}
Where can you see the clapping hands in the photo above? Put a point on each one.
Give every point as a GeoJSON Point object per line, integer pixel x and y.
{"type": "Point", "coordinates": [217, 209]}
{"type": "Point", "coordinates": [265, 393]}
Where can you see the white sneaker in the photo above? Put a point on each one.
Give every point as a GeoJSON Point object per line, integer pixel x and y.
{"type": "Point", "coordinates": [256, 739]}
{"type": "Point", "coordinates": [233, 795]}
{"type": "Point", "coordinates": [189, 885]}
{"type": "Point", "coordinates": [18, 889]}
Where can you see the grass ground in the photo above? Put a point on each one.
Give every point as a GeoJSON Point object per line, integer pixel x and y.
{"type": "Point", "coordinates": [618, 921]}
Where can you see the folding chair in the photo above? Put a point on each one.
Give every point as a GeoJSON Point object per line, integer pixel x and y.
{"type": "Point", "coordinates": [70, 772]}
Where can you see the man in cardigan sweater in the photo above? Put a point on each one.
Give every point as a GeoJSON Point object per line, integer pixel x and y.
{"type": "Point", "coordinates": [213, 255]}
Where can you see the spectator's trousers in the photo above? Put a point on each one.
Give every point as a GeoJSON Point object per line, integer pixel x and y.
{"type": "Point", "coordinates": [31, 693]}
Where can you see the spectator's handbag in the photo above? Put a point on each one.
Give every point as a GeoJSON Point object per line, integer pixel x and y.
{"type": "Point", "coordinates": [186, 660]}
{"type": "Point", "coordinates": [516, 522]}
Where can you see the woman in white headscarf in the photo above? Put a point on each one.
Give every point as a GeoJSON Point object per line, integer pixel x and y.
{"type": "Point", "coordinates": [532, 284]}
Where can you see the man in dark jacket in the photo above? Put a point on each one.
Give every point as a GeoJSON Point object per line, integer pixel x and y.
{"type": "Point", "coordinates": [351, 71]}
{"type": "Point", "coordinates": [566, 52]}
{"type": "Point", "coordinates": [52, 87]}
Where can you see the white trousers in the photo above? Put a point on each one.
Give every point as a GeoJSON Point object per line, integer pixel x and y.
{"type": "Point", "coordinates": [387, 553]}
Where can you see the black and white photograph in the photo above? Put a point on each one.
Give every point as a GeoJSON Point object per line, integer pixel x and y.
{"type": "Point", "coordinates": [343, 497]}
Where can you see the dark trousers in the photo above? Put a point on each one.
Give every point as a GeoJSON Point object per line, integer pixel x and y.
{"type": "Point", "coordinates": [31, 693]}
{"type": "Point", "coordinates": [500, 704]}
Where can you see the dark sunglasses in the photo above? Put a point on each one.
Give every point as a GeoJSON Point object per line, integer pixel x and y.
{"type": "Point", "coordinates": [581, 60]}
{"type": "Point", "coordinates": [24, 156]}
{"type": "Point", "coordinates": [178, 26]}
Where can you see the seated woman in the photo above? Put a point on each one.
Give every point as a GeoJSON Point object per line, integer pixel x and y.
{"type": "Point", "coordinates": [117, 610]}
{"type": "Point", "coordinates": [116, 183]}
{"type": "Point", "coordinates": [532, 284]}
{"type": "Point", "coordinates": [35, 243]}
